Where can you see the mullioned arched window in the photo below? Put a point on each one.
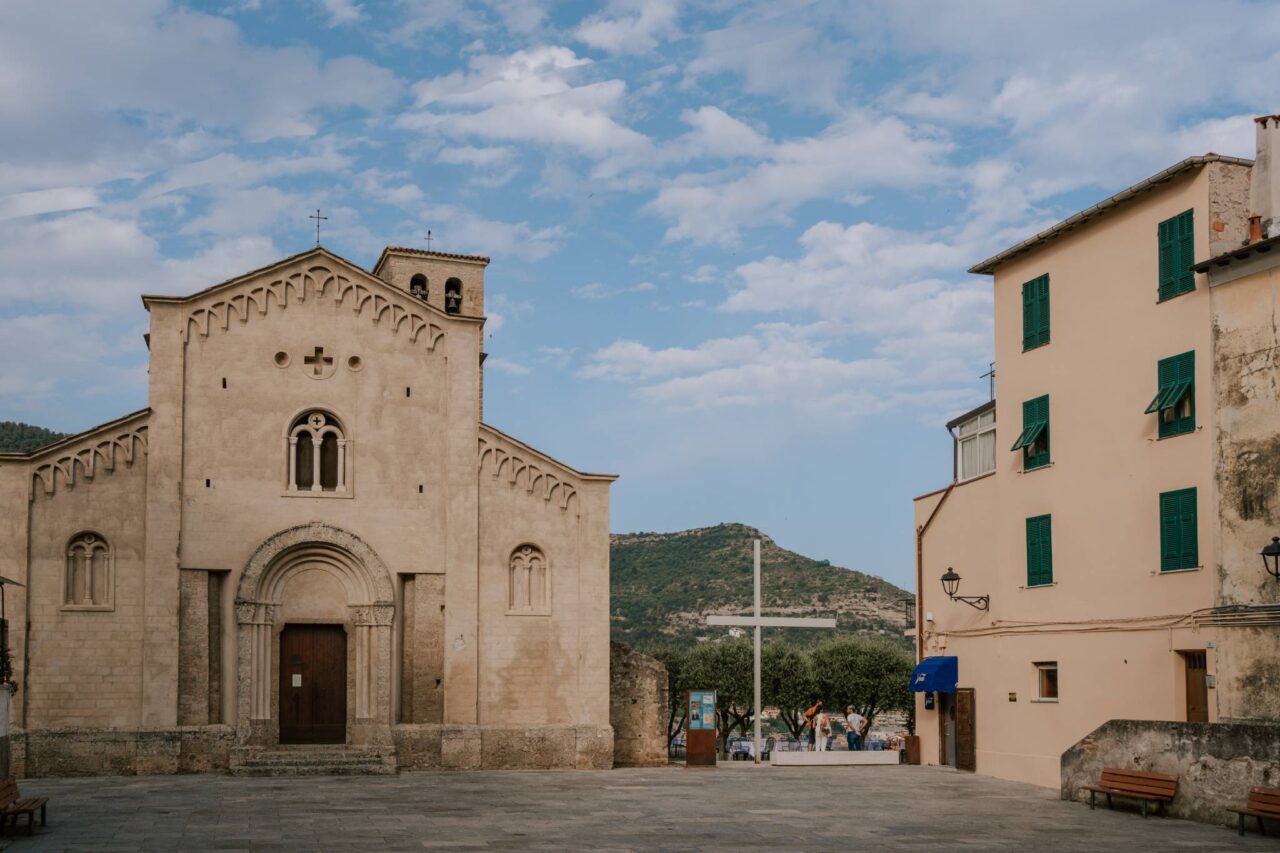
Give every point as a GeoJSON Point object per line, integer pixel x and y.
{"type": "Point", "coordinates": [528, 581]}
{"type": "Point", "coordinates": [317, 454]}
{"type": "Point", "coordinates": [88, 583]}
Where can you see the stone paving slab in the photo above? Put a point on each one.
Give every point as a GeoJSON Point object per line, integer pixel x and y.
{"type": "Point", "coordinates": [739, 808]}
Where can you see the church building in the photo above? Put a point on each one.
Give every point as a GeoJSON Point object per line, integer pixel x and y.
{"type": "Point", "coordinates": [309, 537]}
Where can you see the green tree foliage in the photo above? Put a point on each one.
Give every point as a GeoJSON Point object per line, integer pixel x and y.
{"type": "Point", "coordinates": [18, 437]}
{"type": "Point", "coordinates": [726, 668]}
{"type": "Point", "coordinates": [664, 584]}
{"type": "Point", "coordinates": [787, 683]}
{"type": "Point", "coordinates": [673, 658]}
{"type": "Point", "coordinates": [872, 675]}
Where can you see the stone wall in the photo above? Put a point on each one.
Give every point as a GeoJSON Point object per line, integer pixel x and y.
{"type": "Point", "coordinates": [637, 708]}
{"type": "Point", "coordinates": [121, 752]}
{"type": "Point", "coordinates": [1217, 763]}
{"type": "Point", "coordinates": [435, 747]}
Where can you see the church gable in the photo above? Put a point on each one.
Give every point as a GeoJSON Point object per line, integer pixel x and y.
{"type": "Point", "coordinates": [89, 455]}
{"type": "Point", "coordinates": [319, 277]}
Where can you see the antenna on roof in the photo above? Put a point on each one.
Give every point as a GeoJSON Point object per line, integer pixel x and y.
{"type": "Point", "coordinates": [317, 217]}
{"type": "Point", "coordinates": [991, 374]}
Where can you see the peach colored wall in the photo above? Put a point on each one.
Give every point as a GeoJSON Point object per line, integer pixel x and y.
{"type": "Point", "coordinates": [1108, 331]}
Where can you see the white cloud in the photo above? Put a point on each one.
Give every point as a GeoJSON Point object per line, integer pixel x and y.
{"type": "Point", "coordinates": [594, 290]}
{"type": "Point", "coordinates": [162, 78]}
{"type": "Point", "coordinates": [630, 26]}
{"type": "Point", "coordinates": [460, 230]}
{"type": "Point", "coordinates": [53, 200]}
{"type": "Point", "coordinates": [511, 368]}
{"type": "Point", "coordinates": [856, 154]}
{"type": "Point", "coordinates": [528, 97]}
{"type": "Point", "coordinates": [342, 12]}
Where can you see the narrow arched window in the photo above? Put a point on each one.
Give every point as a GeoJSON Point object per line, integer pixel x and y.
{"type": "Point", "coordinates": [418, 286]}
{"type": "Point", "coordinates": [317, 454]}
{"type": "Point", "coordinates": [528, 581]}
{"type": "Point", "coordinates": [453, 296]}
{"type": "Point", "coordinates": [88, 582]}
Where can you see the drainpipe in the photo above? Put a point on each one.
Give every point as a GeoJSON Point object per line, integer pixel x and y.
{"type": "Point", "coordinates": [920, 531]}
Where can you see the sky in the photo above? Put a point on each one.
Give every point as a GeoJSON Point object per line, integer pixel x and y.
{"type": "Point", "coordinates": [728, 239]}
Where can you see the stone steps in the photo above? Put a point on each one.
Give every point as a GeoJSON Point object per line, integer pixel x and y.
{"type": "Point", "coordinates": [314, 761]}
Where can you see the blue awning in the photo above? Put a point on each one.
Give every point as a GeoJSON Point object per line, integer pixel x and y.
{"type": "Point", "coordinates": [935, 675]}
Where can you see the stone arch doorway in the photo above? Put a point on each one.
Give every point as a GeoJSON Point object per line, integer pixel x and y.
{"type": "Point", "coordinates": [319, 575]}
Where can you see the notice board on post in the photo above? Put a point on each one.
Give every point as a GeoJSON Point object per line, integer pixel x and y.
{"type": "Point", "coordinates": [700, 729]}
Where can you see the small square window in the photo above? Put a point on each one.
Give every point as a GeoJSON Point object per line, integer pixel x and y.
{"type": "Point", "coordinates": [1047, 682]}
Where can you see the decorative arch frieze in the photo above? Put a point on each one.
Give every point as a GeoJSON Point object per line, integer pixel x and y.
{"type": "Point", "coordinates": [317, 282]}
{"type": "Point", "coordinates": [100, 455]}
{"type": "Point", "coordinates": [531, 475]}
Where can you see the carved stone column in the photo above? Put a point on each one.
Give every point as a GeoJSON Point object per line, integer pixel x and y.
{"type": "Point", "coordinates": [256, 620]}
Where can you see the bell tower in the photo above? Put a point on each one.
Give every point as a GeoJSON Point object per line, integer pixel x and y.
{"type": "Point", "coordinates": [452, 283]}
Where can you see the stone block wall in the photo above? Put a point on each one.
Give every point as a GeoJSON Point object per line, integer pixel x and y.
{"type": "Point", "coordinates": [1216, 763]}
{"type": "Point", "coordinates": [435, 747]}
{"type": "Point", "coordinates": [121, 752]}
{"type": "Point", "coordinates": [637, 708]}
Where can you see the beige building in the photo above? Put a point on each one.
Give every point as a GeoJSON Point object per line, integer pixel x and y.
{"type": "Point", "coordinates": [1107, 509]}
{"type": "Point", "coordinates": [309, 536]}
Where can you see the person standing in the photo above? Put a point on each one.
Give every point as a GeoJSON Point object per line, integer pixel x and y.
{"type": "Point", "coordinates": [822, 723]}
{"type": "Point", "coordinates": [811, 722]}
{"type": "Point", "coordinates": [856, 723]}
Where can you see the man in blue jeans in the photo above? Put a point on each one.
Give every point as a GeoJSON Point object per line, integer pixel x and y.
{"type": "Point", "coordinates": [856, 722]}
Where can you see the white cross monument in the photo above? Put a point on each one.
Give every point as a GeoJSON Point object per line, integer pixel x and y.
{"type": "Point", "coordinates": [757, 621]}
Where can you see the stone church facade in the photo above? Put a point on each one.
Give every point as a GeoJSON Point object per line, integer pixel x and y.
{"type": "Point", "coordinates": [309, 536]}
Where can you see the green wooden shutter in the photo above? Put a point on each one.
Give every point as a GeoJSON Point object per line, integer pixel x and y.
{"type": "Point", "coordinates": [1042, 313]}
{"type": "Point", "coordinates": [1039, 550]}
{"type": "Point", "coordinates": [1176, 240]}
{"type": "Point", "coordinates": [1035, 417]}
{"type": "Point", "coordinates": [1190, 556]}
{"type": "Point", "coordinates": [1177, 378]}
{"type": "Point", "coordinates": [1035, 312]}
{"type": "Point", "coordinates": [1179, 538]}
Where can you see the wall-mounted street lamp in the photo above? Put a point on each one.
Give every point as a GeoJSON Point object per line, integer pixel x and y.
{"type": "Point", "coordinates": [1271, 557]}
{"type": "Point", "coordinates": [951, 583]}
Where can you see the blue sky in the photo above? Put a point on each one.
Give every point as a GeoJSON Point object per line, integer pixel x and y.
{"type": "Point", "coordinates": [728, 239]}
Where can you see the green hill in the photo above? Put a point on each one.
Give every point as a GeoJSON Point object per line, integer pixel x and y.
{"type": "Point", "coordinates": [23, 438]}
{"type": "Point", "coordinates": [665, 584]}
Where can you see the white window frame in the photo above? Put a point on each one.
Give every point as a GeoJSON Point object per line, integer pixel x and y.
{"type": "Point", "coordinates": [1040, 669]}
{"type": "Point", "coordinates": [975, 436]}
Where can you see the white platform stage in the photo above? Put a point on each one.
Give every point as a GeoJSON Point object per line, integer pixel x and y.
{"type": "Point", "coordinates": [832, 758]}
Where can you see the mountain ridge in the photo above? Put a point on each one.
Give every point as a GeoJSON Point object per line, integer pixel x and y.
{"type": "Point", "coordinates": [664, 585]}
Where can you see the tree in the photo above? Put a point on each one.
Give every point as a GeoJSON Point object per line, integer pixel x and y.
{"type": "Point", "coordinates": [872, 675]}
{"type": "Point", "coordinates": [725, 667]}
{"type": "Point", "coordinates": [787, 683]}
{"type": "Point", "coordinates": [18, 437]}
{"type": "Point", "coordinates": [674, 659]}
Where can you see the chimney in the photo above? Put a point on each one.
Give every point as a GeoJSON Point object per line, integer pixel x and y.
{"type": "Point", "coordinates": [1264, 186]}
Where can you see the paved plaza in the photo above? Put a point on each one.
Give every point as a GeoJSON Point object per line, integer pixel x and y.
{"type": "Point", "coordinates": [733, 808]}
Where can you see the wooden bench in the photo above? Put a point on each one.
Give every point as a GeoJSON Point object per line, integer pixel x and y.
{"type": "Point", "coordinates": [1263, 803]}
{"type": "Point", "coordinates": [15, 805]}
{"type": "Point", "coordinates": [1140, 785]}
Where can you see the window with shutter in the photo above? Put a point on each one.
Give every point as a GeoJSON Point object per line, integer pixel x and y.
{"type": "Point", "coordinates": [1035, 312]}
{"type": "Point", "coordinates": [1033, 441]}
{"type": "Point", "coordinates": [1040, 550]}
{"type": "Point", "coordinates": [1175, 400]}
{"type": "Point", "coordinates": [1176, 238]}
{"type": "Point", "coordinates": [1179, 540]}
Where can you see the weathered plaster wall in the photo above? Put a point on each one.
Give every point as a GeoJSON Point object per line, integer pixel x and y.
{"type": "Point", "coordinates": [1217, 763]}
{"type": "Point", "coordinates": [637, 708]}
{"type": "Point", "coordinates": [1246, 363]}
{"type": "Point", "coordinates": [121, 752]}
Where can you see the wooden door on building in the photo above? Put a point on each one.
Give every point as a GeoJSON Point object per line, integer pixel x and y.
{"type": "Point", "coordinates": [966, 730]}
{"type": "Point", "coordinates": [1197, 686]}
{"type": "Point", "coordinates": [313, 684]}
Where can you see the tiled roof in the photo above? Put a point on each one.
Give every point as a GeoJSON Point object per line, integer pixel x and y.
{"type": "Point", "coordinates": [988, 267]}
{"type": "Point", "coordinates": [408, 250]}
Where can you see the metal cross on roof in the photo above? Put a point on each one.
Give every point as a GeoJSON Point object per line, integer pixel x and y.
{"type": "Point", "coordinates": [428, 239]}
{"type": "Point", "coordinates": [757, 621]}
{"type": "Point", "coordinates": [317, 217]}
